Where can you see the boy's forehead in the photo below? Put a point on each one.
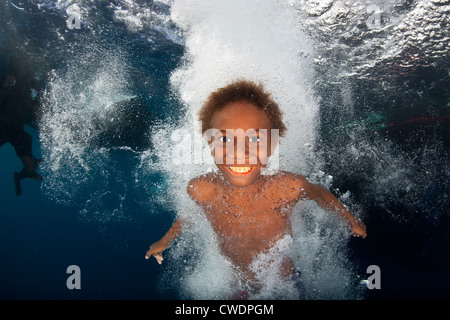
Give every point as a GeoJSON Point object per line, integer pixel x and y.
{"type": "Point", "coordinates": [240, 115]}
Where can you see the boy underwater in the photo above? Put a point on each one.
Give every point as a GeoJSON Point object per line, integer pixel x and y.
{"type": "Point", "coordinates": [249, 212]}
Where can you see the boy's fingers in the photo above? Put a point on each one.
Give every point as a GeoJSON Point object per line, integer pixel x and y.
{"type": "Point", "coordinates": [361, 234]}
{"type": "Point", "coordinates": [149, 253]}
{"type": "Point", "coordinates": [159, 258]}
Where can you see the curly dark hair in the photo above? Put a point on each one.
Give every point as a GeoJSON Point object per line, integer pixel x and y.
{"type": "Point", "coordinates": [242, 90]}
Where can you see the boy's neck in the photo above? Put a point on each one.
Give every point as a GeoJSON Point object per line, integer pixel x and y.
{"type": "Point", "coordinates": [256, 186]}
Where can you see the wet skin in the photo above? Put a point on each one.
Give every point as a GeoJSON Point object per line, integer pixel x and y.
{"type": "Point", "coordinates": [248, 211]}
{"type": "Point", "coordinates": [248, 220]}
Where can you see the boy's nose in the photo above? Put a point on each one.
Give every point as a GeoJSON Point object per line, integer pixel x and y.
{"type": "Point", "coordinates": [242, 152]}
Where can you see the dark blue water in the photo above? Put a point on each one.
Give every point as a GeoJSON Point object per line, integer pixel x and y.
{"type": "Point", "coordinates": [41, 239]}
{"type": "Point", "coordinates": [41, 236]}
{"type": "Point", "coordinates": [42, 232]}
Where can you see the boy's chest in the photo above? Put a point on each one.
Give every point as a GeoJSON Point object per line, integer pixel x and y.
{"type": "Point", "coordinates": [267, 200]}
{"type": "Point", "coordinates": [247, 210]}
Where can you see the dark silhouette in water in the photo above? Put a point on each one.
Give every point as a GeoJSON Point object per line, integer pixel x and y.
{"type": "Point", "coordinates": [17, 107]}
{"type": "Point", "coordinates": [124, 124]}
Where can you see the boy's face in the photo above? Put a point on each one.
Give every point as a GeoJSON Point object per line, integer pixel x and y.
{"type": "Point", "coordinates": [241, 142]}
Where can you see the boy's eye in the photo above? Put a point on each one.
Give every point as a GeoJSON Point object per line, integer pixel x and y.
{"type": "Point", "coordinates": [224, 139]}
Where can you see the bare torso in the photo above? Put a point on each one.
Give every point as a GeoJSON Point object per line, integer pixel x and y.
{"type": "Point", "coordinates": [248, 220]}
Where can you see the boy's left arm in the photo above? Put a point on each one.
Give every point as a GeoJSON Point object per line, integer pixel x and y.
{"type": "Point", "coordinates": [328, 201]}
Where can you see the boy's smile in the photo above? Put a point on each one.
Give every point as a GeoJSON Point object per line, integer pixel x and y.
{"type": "Point", "coordinates": [240, 170]}
{"type": "Point", "coordinates": [250, 214]}
{"type": "Point", "coordinates": [241, 145]}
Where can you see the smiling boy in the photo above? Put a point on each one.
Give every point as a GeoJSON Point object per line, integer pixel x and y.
{"type": "Point", "coordinates": [249, 212]}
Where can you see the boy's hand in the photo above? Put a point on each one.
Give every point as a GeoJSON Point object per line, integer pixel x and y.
{"type": "Point", "coordinates": [156, 250]}
{"type": "Point", "coordinates": [359, 229]}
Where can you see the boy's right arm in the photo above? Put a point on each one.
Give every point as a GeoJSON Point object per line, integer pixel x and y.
{"type": "Point", "coordinates": [158, 247]}
{"type": "Point", "coordinates": [328, 201]}
{"type": "Point", "coordinates": [199, 189]}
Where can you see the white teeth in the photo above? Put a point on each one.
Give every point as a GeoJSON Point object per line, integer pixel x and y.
{"type": "Point", "coordinates": [240, 169]}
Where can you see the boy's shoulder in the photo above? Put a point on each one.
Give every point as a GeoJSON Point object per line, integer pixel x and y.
{"type": "Point", "coordinates": [203, 188]}
{"type": "Point", "coordinates": [290, 179]}
{"type": "Point", "coordinates": [292, 185]}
